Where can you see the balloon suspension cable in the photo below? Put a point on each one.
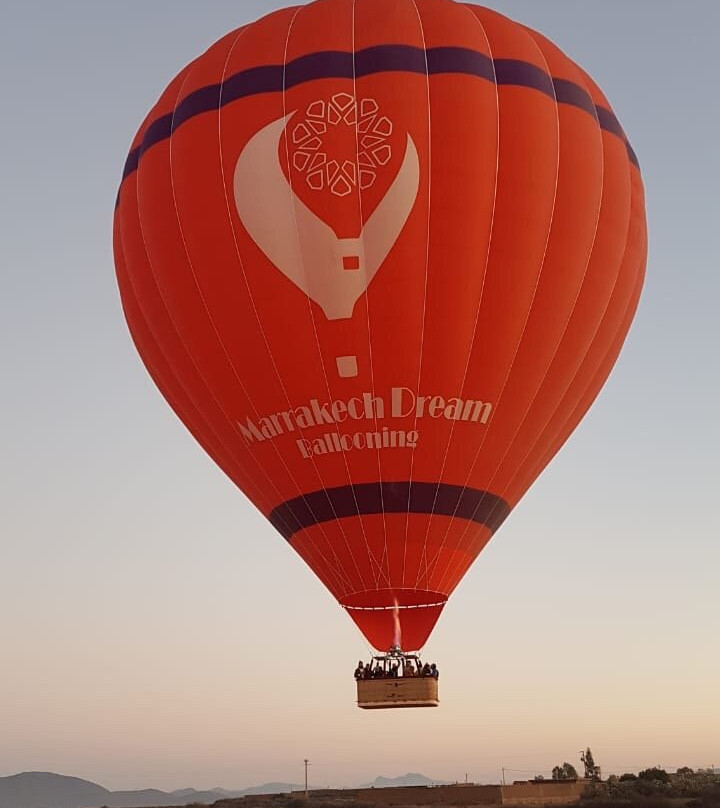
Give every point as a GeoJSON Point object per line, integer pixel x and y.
{"type": "Point", "coordinates": [396, 655]}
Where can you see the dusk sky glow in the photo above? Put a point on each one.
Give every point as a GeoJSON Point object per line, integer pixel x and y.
{"type": "Point", "coordinates": [157, 632]}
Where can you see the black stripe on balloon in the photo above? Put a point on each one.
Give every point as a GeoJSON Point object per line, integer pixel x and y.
{"type": "Point", "coordinates": [514, 73]}
{"type": "Point", "coordinates": [363, 499]}
{"type": "Point", "coordinates": [378, 59]}
{"type": "Point", "coordinates": [567, 92]}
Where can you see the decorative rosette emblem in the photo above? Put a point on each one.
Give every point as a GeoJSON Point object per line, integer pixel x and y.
{"type": "Point", "coordinates": [360, 132]}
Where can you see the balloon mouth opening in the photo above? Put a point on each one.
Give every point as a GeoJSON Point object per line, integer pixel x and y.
{"type": "Point", "coordinates": [395, 618]}
{"type": "Point", "coordinates": [393, 600]}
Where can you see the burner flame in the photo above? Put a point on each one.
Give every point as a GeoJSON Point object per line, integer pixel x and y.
{"type": "Point", "coordinates": [397, 633]}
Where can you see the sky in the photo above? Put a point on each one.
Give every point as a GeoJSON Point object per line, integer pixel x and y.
{"type": "Point", "coordinates": [155, 631]}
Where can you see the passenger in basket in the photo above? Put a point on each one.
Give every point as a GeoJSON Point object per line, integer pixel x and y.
{"type": "Point", "coordinates": [394, 671]}
{"type": "Point", "coordinates": [408, 668]}
{"type": "Point", "coordinates": [434, 672]}
{"type": "Point", "coordinates": [426, 670]}
{"type": "Point", "coordinates": [359, 671]}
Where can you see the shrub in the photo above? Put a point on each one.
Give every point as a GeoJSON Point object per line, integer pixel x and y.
{"type": "Point", "coordinates": [710, 798]}
{"type": "Point", "coordinates": [655, 773]}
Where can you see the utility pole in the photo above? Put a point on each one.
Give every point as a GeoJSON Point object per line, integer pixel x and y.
{"type": "Point", "coordinates": [307, 763]}
{"type": "Point", "coordinates": [503, 775]}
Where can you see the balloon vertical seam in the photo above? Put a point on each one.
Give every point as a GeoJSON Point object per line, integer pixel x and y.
{"type": "Point", "coordinates": [427, 267]}
{"type": "Point", "coordinates": [549, 91]}
{"type": "Point", "coordinates": [371, 558]}
{"type": "Point", "coordinates": [568, 318]}
{"type": "Point", "coordinates": [471, 342]}
{"type": "Point", "coordinates": [335, 569]}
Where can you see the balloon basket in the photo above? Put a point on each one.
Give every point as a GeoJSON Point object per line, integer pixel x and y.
{"type": "Point", "coordinates": [396, 680]}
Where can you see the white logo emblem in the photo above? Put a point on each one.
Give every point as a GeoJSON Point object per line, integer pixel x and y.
{"type": "Point", "coordinates": [368, 130]}
{"type": "Point", "coordinates": [333, 272]}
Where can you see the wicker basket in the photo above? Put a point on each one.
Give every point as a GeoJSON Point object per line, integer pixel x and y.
{"type": "Point", "coordinates": [378, 694]}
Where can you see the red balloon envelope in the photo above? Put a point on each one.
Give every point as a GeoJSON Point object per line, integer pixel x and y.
{"type": "Point", "coordinates": [380, 257]}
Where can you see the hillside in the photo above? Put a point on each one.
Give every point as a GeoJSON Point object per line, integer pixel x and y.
{"type": "Point", "coordinates": [409, 779]}
{"type": "Point", "coordinates": [48, 790]}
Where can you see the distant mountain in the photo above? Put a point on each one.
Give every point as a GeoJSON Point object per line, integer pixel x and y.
{"type": "Point", "coordinates": [152, 797]}
{"type": "Point", "coordinates": [48, 790]}
{"type": "Point", "coordinates": [270, 788]}
{"type": "Point", "coordinates": [409, 779]}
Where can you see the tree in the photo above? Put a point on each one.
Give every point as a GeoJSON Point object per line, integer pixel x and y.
{"type": "Point", "coordinates": [592, 772]}
{"type": "Point", "coordinates": [565, 772]}
{"type": "Point", "coordinates": [685, 770]}
{"type": "Point", "coordinates": [655, 773]}
{"type": "Point", "coordinates": [628, 776]}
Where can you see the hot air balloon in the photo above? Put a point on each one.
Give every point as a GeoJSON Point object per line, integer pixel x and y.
{"type": "Point", "coordinates": [380, 257]}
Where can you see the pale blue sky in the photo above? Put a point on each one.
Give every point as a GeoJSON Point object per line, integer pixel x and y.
{"type": "Point", "coordinates": [138, 587]}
